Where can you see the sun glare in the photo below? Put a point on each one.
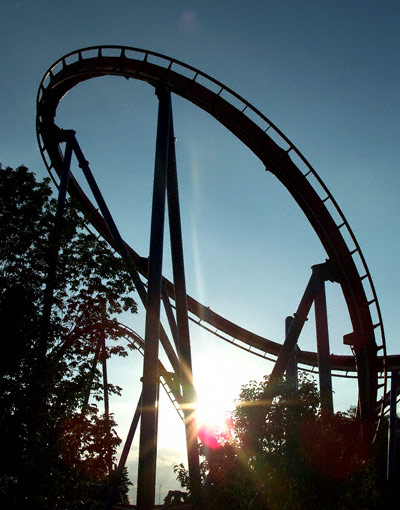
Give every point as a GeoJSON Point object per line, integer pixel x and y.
{"type": "Point", "coordinates": [213, 421]}
{"type": "Point", "coordinates": [212, 414]}
{"type": "Point", "coordinates": [216, 389]}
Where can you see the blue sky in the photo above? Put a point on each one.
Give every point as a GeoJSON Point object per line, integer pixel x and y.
{"type": "Point", "coordinates": [326, 73]}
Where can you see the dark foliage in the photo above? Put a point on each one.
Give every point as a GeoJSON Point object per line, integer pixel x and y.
{"type": "Point", "coordinates": [57, 449]}
{"type": "Point", "coordinates": [288, 456]}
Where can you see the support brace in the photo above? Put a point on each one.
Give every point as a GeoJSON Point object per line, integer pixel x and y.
{"type": "Point", "coordinates": [315, 292]}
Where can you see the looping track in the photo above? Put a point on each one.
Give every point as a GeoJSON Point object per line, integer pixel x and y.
{"type": "Point", "coordinates": [279, 156]}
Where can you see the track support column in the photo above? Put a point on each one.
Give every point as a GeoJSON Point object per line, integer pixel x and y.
{"type": "Point", "coordinates": [291, 369]}
{"type": "Point", "coordinates": [391, 460]}
{"type": "Point", "coordinates": [292, 383]}
{"type": "Point", "coordinates": [54, 247]}
{"type": "Point", "coordinates": [149, 417]}
{"type": "Point", "coordinates": [321, 273]}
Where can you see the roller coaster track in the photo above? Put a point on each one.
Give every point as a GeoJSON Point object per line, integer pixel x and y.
{"type": "Point", "coordinates": [368, 361]}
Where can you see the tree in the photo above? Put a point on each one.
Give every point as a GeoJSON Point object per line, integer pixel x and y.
{"type": "Point", "coordinates": [56, 443]}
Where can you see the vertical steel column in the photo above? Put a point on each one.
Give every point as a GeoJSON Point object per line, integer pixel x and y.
{"type": "Point", "coordinates": [54, 246]}
{"type": "Point", "coordinates": [292, 383]}
{"type": "Point", "coordinates": [106, 399]}
{"type": "Point", "coordinates": [391, 459]}
{"type": "Point", "coordinates": [103, 355]}
{"type": "Point", "coordinates": [321, 323]}
{"type": "Point", "coordinates": [291, 370]}
{"type": "Point", "coordinates": [105, 376]}
{"type": "Point", "coordinates": [149, 418]}
{"type": "Point", "coordinates": [182, 321]}
{"type": "Point", "coordinates": [42, 376]}
{"type": "Point", "coordinates": [92, 373]}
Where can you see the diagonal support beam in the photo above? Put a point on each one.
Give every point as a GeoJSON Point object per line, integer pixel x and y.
{"type": "Point", "coordinates": [182, 321]}
{"type": "Point", "coordinates": [130, 436]}
{"type": "Point", "coordinates": [314, 293]}
{"type": "Point", "coordinates": [291, 339]}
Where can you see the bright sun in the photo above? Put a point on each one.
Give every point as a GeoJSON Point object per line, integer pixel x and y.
{"type": "Point", "coordinates": [212, 413]}
{"type": "Point", "coordinates": [216, 394]}
{"type": "Point", "coordinates": [212, 422]}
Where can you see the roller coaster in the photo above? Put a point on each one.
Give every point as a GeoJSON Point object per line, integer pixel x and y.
{"type": "Point", "coordinates": [345, 265]}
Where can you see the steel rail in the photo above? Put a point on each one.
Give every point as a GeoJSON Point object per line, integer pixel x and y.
{"type": "Point", "coordinates": [268, 143]}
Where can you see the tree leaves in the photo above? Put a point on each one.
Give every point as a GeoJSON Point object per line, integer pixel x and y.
{"type": "Point", "coordinates": [59, 443]}
{"type": "Point", "coordinates": [286, 455]}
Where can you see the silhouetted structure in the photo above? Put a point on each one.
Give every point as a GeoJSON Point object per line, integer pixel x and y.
{"type": "Point", "coordinates": [281, 158]}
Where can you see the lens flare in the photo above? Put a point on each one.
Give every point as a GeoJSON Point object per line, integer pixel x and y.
{"type": "Point", "coordinates": [213, 424]}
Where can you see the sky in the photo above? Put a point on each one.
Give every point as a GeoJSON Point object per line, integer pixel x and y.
{"type": "Point", "coordinates": [326, 73]}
